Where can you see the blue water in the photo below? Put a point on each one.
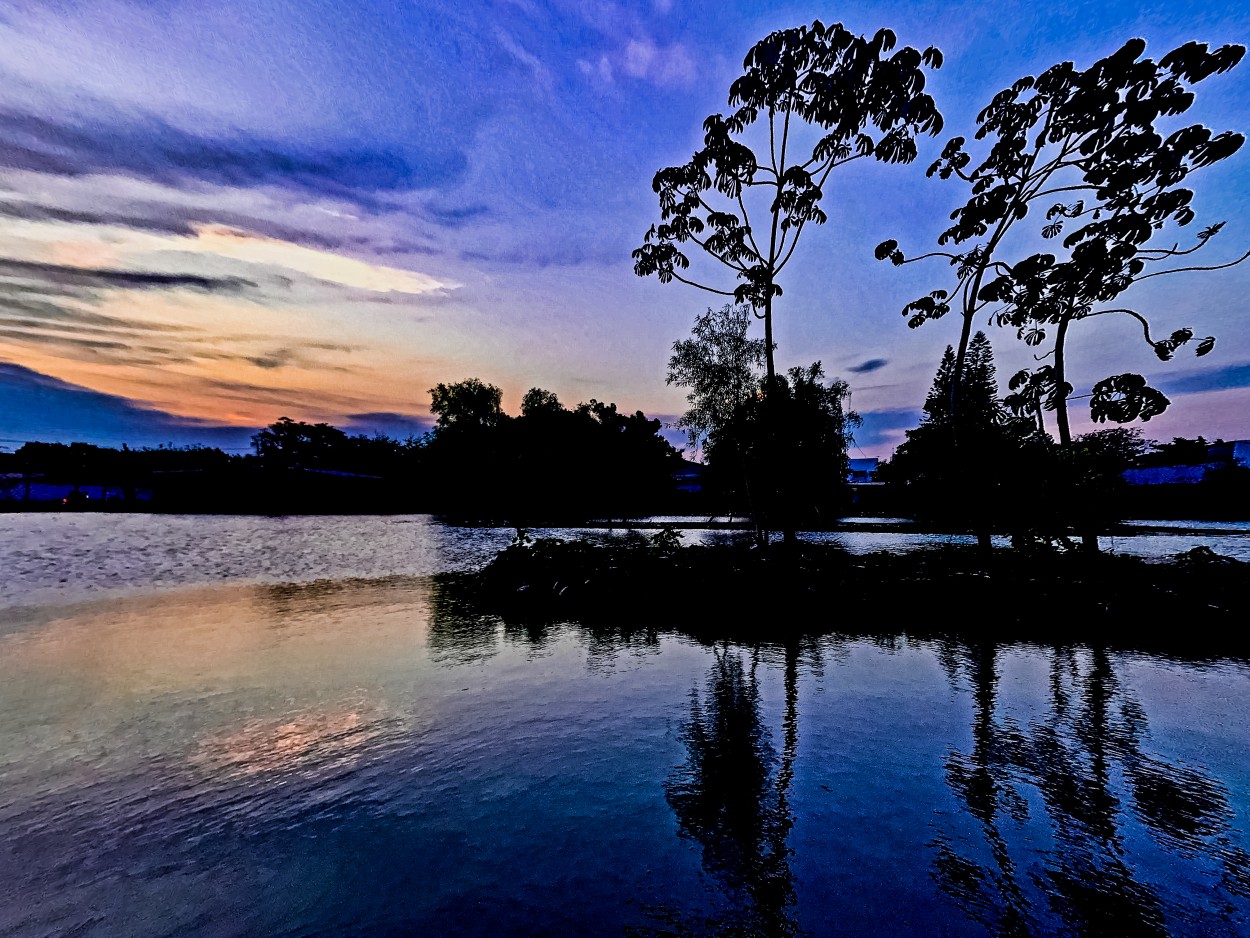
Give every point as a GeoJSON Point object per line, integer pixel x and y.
{"type": "Point", "coordinates": [333, 745]}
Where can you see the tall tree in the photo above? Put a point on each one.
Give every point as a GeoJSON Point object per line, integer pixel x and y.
{"type": "Point", "coordinates": [540, 403]}
{"type": "Point", "coordinates": [293, 444]}
{"type": "Point", "coordinates": [1089, 135]}
{"type": "Point", "coordinates": [819, 76]}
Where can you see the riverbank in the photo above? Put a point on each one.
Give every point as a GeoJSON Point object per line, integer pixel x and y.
{"type": "Point", "coordinates": [1196, 603]}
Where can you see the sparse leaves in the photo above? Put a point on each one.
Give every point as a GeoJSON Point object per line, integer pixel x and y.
{"type": "Point", "coordinates": [1098, 133]}
{"type": "Point", "coordinates": [866, 98]}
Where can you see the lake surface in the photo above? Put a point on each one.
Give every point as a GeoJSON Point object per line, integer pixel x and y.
{"type": "Point", "coordinates": [251, 726]}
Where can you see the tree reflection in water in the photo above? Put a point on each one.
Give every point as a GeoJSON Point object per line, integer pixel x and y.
{"type": "Point", "coordinates": [1084, 759]}
{"type": "Point", "coordinates": [732, 794]}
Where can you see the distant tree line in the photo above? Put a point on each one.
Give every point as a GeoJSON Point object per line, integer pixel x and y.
{"type": "Point", "coordinates": [992, 467]}
{"type": "Point", "coordinates": [548, 464]}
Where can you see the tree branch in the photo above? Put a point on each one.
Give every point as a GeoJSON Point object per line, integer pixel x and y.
{"type": "Point", "coordinates": [1038, 195]}
{"type": "Point", "coordinates": [677, 276]}
{"type": "Point", "coordinates": [1145, 326]}
{"type": "Point", "coordinates": [746, 223]}
{"type": "Point", "coordinates": [1160, 273]}
{"type": "Point", "coordinates": [730, 264]}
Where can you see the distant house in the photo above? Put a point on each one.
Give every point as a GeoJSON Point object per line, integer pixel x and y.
{"type": "Point", "coordinates": [18, 490]}
{"type": "Point", "coordinates": [1219, 456]}
{"type": "Point", "coordinates": [1241, 453]}
{"type": "Point", "coordinates": [862, 471]}
{"type": "Point", "coordinates": [688, 477]}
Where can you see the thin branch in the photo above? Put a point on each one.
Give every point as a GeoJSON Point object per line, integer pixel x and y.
{"type": "Point", "coordinates": [920, 257]}
{"type": "Point", "coordinates": [1160, 273]}
{"type": "Point", "coordinates": [850, 159]}
{"type": "Point", "coordinates": [1163, 252]}
{"type": "Point", "coordinates": [795, 243]}
{"type": "Point", "coordinates": [720, 257]}
{"type": "Point", "coordinates": [677, 276]}
{"type": "Point", "coordinates": [1145, 326]}
{"type": "Point", "coordinates": [772, 138]}
{"type": "Point", "coordinates": [746, 223]}
{"type": "Point", "coordinates": [1038, 195]}
{"type": "Point", "coordinates": [785, 141]}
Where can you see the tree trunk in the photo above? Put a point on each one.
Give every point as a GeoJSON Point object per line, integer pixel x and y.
{"type": "Point", "coordinates": [1089, 534]}
{"type": "Point", "coordinates": [774, 472]}
{"type": "Point", "coordinates": [771, 369]}
{"type": "Point", "coordinates": [1061, 411]}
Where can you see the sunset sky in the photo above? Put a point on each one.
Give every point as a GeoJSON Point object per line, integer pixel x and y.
{"type": "Point", "coordinates": [225, 211]}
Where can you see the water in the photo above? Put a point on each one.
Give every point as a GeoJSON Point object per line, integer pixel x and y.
{"type": "Point", "coordinates": [332, 745]}
{"type": "Point", "coordinates": [50, 557]}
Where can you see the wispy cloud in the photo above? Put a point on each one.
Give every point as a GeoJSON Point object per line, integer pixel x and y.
{"type": "Point", "coordinates": [149, 148]}
{"type": "Point", "coordinates": [1217, 379]}
{"type": "Point", "coordinates": [223, 242]}
{"type": "Point", "coordinates": [541, 73]}
{"type": "Point", "coordinates": [869, 366]}
{"type": "Point", "coordinates": [642, 59]}
{"type": "Point", "coordinates": [669, 66]}
{"type": "Point", "coordinates": [64, 275]}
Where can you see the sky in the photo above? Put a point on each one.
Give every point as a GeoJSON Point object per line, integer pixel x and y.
{"type": "Point", "coordinates": [214, 213]}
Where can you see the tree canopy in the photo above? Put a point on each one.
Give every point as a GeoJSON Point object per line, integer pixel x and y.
{"type": "Point", "coordinates": [865, 103]}
{"type": "Point", "coordinates": [1096, 137]}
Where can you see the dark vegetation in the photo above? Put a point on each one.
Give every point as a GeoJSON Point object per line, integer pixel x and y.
{"type": "Point", "coordinates": [478, 464]}
{"type": "Point", "coordinates": [1085, 147]}
{"type": "Point", "coordinates": [719, 591]}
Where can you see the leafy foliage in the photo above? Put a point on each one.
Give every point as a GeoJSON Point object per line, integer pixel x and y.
{"type": "Point", "coordinates": [973, 467]}
{"type": "Point", "coordinates": [1122, 398]}
{"type": "Point", "coordinates": [784, 452]}
{"type": "Point", "coordinates": [466, 404]}
{"type": "Point", "coordinates": [720, 366]}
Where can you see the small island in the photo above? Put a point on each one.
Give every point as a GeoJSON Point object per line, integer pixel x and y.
{"type": "Point", "coordinates": [1196, 604]}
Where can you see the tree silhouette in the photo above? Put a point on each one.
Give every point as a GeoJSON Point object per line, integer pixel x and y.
{"type": "Point", "coordinates": [463, 404]}
{"type": "Point", "coordinates": [817, 75]}
{"type": "Point", "coordinates": [1089, 135]}
{"type": "Point", "coordinates": [538, 403]}
{"type": "Point", "coordinates": [550, 464]}
{"type": "Point", "coordinates": [293, 444]}
{"type": "Point", "coordinates": [788, 450]}
{"type": "Point", "coordinates": [979, 465]}
{"type": "Point", "coordinates": [720, 366]}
